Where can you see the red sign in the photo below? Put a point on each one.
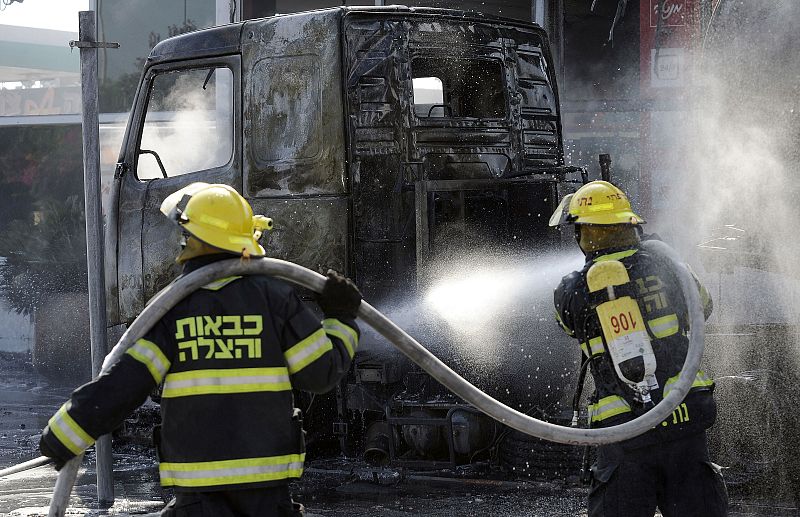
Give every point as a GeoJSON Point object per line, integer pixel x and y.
{"type": "Point", "coordinates": [669, 33]}
{"type": "Point", "coordinates": [669, 42]}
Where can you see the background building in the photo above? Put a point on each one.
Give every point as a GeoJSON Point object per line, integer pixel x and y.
{"type": "Point", "coordinates": [625, 76]}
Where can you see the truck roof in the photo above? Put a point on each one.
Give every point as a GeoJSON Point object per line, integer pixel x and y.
{"type": "Point", "coordinates": [226, 39]}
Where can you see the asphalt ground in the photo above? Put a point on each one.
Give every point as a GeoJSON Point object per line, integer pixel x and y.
{"type": "Point", "coordinates": [329, 487]}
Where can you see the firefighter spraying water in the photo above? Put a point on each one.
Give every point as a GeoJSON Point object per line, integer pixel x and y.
{"type": "Point", "coordinates": [631, 321]}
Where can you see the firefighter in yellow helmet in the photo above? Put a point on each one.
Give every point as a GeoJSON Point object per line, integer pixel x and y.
{"type": "Point", "coordinates": [215, 219]}
{"type": "Point", "coordinates": [228, 357]}
{"type": "Point", "coordinates": [635, 343]}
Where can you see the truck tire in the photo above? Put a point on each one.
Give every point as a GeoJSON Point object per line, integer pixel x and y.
{"type": "Point", "coordinates": [533, 458]}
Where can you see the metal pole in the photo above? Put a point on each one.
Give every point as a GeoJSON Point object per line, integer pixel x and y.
{"type": "Point", "coordinates": [556, 31]}
{"type": "Point", "coordinates": [605, 167]}
{"type": "Point", "coordinates": [94, 234]}
{"type": "Point", "coordinates": [227, 11]}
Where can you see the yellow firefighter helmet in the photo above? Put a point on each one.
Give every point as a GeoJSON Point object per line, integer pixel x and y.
{"type": "Point", "coordinates": [597, 202]}
{"type": "Point", "coordinates": [218, 216]}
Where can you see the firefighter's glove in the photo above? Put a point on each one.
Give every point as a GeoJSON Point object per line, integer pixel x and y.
{"type": "Point", "coordinates": [44, 448]}
{"type": "Point", "coordinates": [340, 298]}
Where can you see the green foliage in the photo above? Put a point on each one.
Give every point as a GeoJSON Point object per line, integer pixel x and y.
{"type": "Point", "coordinates": [40, 162]}
{"type": "Point", "coordinates": [42, 231]}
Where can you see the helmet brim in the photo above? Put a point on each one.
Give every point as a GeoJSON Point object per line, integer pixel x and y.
{"type": "Point", "coordinates": [602, 219]}
{"type": "Point", "coordinates": [171, 206]}
{"type": "Point", "coordinates": [561, 214]}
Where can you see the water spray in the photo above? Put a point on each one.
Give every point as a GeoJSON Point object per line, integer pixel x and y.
{"type": "Point", "coordinates": [299, 275]}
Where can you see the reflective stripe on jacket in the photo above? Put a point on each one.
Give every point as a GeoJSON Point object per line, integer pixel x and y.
{"type": "Point", "coordinates": [608, 407]}
{"type": "Point", "coordinates": [231, 472]}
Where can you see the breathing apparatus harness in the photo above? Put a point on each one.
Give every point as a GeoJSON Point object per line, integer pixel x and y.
{"type": "Point", "coordinates": [625, 335]}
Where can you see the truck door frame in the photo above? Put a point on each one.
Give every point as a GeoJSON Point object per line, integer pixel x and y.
{"type": "Point", "coordinates": [133, 192]}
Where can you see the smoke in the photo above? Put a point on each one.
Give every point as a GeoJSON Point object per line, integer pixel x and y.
{"type": "Point", "coordinates": [735, 192]}
{"type": "Point", "coordinates": [736, 189]}
{"type": "Point", "coordinates": [188, 123]}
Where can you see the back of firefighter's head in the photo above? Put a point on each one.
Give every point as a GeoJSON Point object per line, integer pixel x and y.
{"type": "Point", "coordinates": [215, 219]}
{"type": "Point", "coordinates": [602, 216]}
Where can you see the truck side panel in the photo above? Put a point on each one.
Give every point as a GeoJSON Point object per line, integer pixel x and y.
{"type": "Point", "coordinates": [294, 145]}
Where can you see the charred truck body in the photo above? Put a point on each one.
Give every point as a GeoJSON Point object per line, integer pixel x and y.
{"type": "Point", "coordinates": [378, 140]}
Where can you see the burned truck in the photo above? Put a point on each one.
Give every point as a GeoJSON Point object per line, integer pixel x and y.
{"type": "Point", "coordinates": [388, 143]}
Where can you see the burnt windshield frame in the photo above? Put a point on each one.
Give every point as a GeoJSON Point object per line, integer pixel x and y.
{"type": "Point", "coordinates": [459, 96]}
{"type": "Point", "coordinates": [233, 64]}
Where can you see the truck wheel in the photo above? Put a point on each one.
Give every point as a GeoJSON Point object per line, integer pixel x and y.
{"type": "Point", "coordinates": [534, 458]}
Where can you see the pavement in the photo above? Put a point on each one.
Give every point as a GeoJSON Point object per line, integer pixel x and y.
{"type": "Point", "coordinates": [332, 486]}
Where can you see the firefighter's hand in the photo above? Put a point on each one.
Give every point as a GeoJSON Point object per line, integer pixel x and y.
{"type": "Point", "coordinates": [45, 449]}
{"type": "Point", "coordinates": [340, 297]}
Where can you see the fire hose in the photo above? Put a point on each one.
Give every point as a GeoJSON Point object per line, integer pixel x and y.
{"type": "Point", "coordinates": [299, 275]}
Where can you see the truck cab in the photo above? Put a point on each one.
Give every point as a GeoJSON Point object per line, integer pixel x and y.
{"type": "Point", "coordinates": [380, 140]}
